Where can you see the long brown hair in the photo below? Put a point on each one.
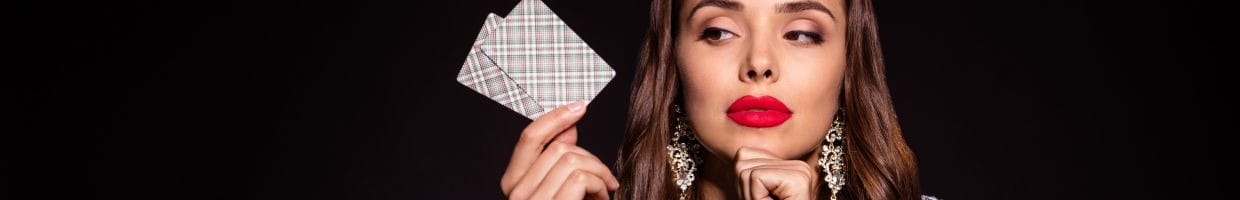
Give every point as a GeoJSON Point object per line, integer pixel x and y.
{"type": "Point", "coordinates": [880, 164]}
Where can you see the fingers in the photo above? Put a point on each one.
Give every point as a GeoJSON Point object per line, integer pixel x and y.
{"type": "Point", "coordinates": [537, 135]}
{"type": "Point", "coordinates": [537, 170]}
{"type": "Point", "coordinates": [545, 127]}
{"type": "Point", "coordinates": [569, 164]}
{"type": "Point", "coordinates": [747, 153]}
{"type": "Point", "coordinates": [554, 165]}
{"type": "Point", "coordinates": [749, 157]}
{"type": "Point", "coordinates": [767, 182]}
{"type": "Point", "coordinates": [764, 176]}
{"type": "Point", "coordinates": [580, 184]}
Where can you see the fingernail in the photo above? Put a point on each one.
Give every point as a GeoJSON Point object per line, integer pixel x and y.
{"type": "Point", "coordinates": [576, 106]}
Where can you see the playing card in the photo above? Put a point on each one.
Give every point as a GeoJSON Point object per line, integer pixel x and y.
{"type": "Point", "coordinates": [532, 62]}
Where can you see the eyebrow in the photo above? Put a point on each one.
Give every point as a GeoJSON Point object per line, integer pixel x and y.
{"type": "Point", "coordinates": [725, 4]}
{"type": "Point", "coordinates": [790, 7]}
{"type": "Point", "coordinates": [799, 6]}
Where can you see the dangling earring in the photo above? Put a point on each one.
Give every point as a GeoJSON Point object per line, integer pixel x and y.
{"type": "Point", "coordinates": [832, 160]}
{"type": "Point", "coordinates": [682, 151]}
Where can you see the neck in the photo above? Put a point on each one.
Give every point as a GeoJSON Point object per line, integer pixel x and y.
{"type": "Point", "coordinates": [719, 178]}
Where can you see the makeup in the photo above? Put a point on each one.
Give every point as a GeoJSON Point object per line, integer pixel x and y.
{"type": "Point", "coordinates": [758, 112]}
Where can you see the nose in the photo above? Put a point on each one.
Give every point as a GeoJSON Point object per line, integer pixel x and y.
{"type": "Point", "coordinates": [760, 66]}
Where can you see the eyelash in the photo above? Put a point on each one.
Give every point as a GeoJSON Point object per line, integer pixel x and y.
{"type": "Point", "coordinates": [795, 36]}
{"type": "Point", "coordinates": [713, 34]}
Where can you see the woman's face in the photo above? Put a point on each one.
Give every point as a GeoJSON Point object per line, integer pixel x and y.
{"type": "Point", "coordinates": [742, 61]}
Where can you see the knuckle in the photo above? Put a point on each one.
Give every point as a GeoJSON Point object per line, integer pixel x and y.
{"type": "Point", "coordinates": [529, 135]}
{"type": "Point", "coordinates": [745, 165]}
{"type": "Point", "coordinates": [744, 153]}
{"type": "Point", "coordinates": [558, 148]}
{"type": "Point", "coordinates": [569, 159]}
{"type": "Point", "coordinates": [745, 173]}
{"type": "Point", "coordinates": [577, 177]}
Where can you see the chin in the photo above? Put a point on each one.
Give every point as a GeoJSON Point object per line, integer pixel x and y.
{"type": "Point", "coordinates": [772, 145]}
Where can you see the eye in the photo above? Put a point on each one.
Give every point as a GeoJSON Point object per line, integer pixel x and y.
{"type": "Point", "coordinates": [804, 37]}
{"type": "Point", "coordinates": [713, 34]}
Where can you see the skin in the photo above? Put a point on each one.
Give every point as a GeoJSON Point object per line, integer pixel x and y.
{"type": "Point", "coordinates": [561, 170]}
{"type": "Point", "coordinates": [795, 55]}
{"type": "Point", "coordinates": [761, 48]}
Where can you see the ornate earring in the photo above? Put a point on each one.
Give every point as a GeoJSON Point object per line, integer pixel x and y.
{"type": "Point", "coordinates": [682, 151]}
{"type": "Point", "coordinates": [832, 160]}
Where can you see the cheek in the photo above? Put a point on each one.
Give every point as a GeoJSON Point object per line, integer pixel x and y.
{"type": "Point", "coordinates": [707, 75]}
{"type": "Point", "coordinates": [811, 84]}
{"type": "Point", "coordinates": [813, 80]}
{"type": "Point", "coordinates": [709, 83]}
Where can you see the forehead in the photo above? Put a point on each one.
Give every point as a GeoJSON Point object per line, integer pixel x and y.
{"type": "Point", "coordinates": [688, 8]}
{"type": "Point", "coordinates": [689, 4]}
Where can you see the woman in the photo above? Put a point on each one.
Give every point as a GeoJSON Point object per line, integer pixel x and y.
{"type": "Point", "coordinates": [738, 99]}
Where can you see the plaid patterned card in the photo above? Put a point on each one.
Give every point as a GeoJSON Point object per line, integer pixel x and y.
{"type": "Point", "coordinates": [531, 62]}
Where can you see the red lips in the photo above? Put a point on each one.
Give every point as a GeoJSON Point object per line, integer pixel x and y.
{"type": "Point", "coordinates": [759, 112]}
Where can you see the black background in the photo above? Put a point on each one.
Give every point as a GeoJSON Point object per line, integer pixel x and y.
{"type": "Point", "coordinates": [357, 99]}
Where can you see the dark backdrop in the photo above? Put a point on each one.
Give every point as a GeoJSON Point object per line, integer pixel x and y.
{"type": "Point", "coordinates": [357, 99]}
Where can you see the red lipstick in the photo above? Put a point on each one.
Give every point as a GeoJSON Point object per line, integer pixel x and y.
{"type": "Point", "coordinates": [759, 112]}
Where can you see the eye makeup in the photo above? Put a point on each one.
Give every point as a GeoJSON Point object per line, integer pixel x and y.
{"type": "Point", "coordinates": [715, 34]}
{"type": "Point", "coordinates": [804, 37]}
